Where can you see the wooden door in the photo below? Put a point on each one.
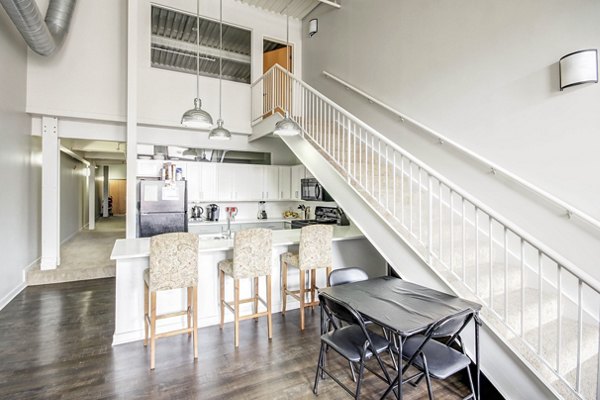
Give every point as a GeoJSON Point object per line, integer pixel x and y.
{"type": "Point", "coordinates": [117, 188]}
{"type": "Point", "coordinates": [270, 58]}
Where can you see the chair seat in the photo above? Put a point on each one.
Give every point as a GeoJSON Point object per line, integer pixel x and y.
{"type": "Point", "coordinates": [442, 361]}
{"type": "Point", "coordinates": [291, 259]}
{"type": "Point", "coordinates": [226, 266]}
{"type": "Point", "coordinates": [349, 341]}
{"type": "Point", "coordinates": [147, 276]}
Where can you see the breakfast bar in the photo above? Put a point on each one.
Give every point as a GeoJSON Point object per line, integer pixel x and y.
{"type": "Point", "coordinates": [350, 249]}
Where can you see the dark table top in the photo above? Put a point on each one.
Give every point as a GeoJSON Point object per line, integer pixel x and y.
{"type": "Point", "coordinates": [404, 307]}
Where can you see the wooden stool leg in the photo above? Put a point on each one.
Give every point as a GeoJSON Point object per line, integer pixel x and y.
{"type": "Point", "coordinates": [284, 272]}
{"type": "Point", "coordinates": [189, 310]}
{"type": "Point", "coordinates": [302, 294]}
{"type": "Point", "coordinates": [236, 302]}
{"type": "Point", "coordinates": [152, 328]}
{"type": "Point", "coordinates": [222, 296]}
{"type": "Point", "coordinates": [146, 309]}
{"type": "Point", "coordinates": [313, 286]}
{"type": "Point", "coordinates": [269, 319]}
{"type": "Point", "coordinates": [195, 319]}
{"type": "Point", "coordinates": [256, 298]}
{"type": "Point", "coordinates": [328, 273]}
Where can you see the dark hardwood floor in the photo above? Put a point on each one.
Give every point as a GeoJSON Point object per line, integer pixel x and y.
{"type": "Point", "coordinates": [55, 343]}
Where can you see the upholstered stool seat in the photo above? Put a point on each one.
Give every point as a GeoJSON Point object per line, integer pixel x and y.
{"type": "Point", "coordinates": [226, 266]}
{"type": "Point", "coordinates": [252, 258]}
{"type": "Point", "coordinates": [173, 265]}
{"type": "Point", "coordinates": [315, 252]}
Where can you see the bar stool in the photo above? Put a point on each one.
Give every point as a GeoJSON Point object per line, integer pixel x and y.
{"type": "Point", "coordinates": [173, 265]}
{"type": "Point", "coordinates": [252, 258]}
{"type": "Point", "coordinates": [315, 252]}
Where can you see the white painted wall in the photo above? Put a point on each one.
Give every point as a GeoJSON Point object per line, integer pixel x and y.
{"type": "Point", "coordinates": [73, 197]}
{"type": "Point", "coordinates": [20, 163]}
{"type": "Point", "coordinates": [87, 76]}
{"type": "Point", "coordinates": [485, 74]}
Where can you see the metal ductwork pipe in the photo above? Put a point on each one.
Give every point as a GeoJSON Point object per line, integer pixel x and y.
{"type": "Point", "coordinates": [42, 36]}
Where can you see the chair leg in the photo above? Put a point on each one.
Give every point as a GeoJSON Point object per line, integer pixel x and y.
{"type": "Point", "coordinates": [189, 310]}
{"type": "Point", "coordinates": [471, 383]}
{"type": "Point", "coordinates": [361, 371]}
{"type": "Point", "coordinates": [328, 272]}
{"type": "Point", "coordinates": [352, 371]}
{"type": "Point", "coordinates": [255, 297]}
{"type": "Point", "coordinates": [302, 294]}
{"type": "Point", "coordinates": [222, 296]}
{"type": "Point", "coordinates": [146, 308]}
{"type": "Point", "coordinates": [284, 272]}
{"type": "Point", "coordinates": [319, 368]}
{"type": "Point", "coordinates": [313, 286]}
{"type": "Point", "coordinates": [195, 319]}
{"type": "Point", "coordinates": [427, 378]}
{"type": "Point", "coordinates": [269, 317]}
{"type": "Point", "coordinates": [236, 303]}
{"type": "Point", "coordinates": [152, 329]}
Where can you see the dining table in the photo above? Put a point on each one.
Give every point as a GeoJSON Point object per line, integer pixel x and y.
{"type": "Point", "coordinates": [404, 309]}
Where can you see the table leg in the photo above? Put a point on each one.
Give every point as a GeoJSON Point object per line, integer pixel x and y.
{"type": "Point", "coordinates": [398, 379]}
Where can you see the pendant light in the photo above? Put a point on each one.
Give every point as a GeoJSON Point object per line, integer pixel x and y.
{"type": "Point", "coordinates": [220, 133]}
{"type": "Point", "coordinates": [287, 126]}
{"type": "Point", "coordinates": [197, 117]}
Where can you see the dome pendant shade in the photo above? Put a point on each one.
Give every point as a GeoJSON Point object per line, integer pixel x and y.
{"type": "Point", "coordinates": [286, 127]}
{"type": "Point", "coordinates": [197, 117]}
{"type": "Point", "coordinates": [219, 133]}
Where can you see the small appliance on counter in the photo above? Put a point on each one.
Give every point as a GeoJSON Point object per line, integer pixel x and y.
{"type": "Point", "coordinates": [323, 215]}
{"type": "Point", "coordinates": [262, 212]}
{"type": "Point", "coordinates": [313, 191]}
{"type": "Point", "coordinates": [197, 212]}
{"type": "Point", "coordinates": [212, 212]}
{"type": "Point", "coordinates": [162, 207]}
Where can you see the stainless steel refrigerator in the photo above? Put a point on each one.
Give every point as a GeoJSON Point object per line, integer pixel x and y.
{"type": "Point", "coordinates": [162, 207]}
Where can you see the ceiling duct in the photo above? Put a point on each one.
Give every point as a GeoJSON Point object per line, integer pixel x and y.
{"type": "Point", "coordinates": [42, 36]}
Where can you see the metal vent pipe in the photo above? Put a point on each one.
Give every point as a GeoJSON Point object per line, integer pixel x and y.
{"type": "Point", "coordinates": [43, 37]}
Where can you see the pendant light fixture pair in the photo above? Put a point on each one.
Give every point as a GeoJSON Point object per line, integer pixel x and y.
{"type": "Point", "coordinates": [287, 126]}
{"type": "Point", "coordinates": [197, 117]}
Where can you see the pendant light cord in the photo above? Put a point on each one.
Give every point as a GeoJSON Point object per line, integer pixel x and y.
{"type": "Point", "coordinates": [198, 49]}
{"type": "Point", "coordinates": [220, 58]}
{"type": "Point", "coordinates": [287, 60]}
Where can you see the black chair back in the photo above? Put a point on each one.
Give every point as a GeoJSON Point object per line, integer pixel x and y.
{"type": "Point", "coordinates": [336, 310]}
{"type": "Point", "coordinates": [451, 326]}
{"type": "Point", "coordinates": [347, 275]}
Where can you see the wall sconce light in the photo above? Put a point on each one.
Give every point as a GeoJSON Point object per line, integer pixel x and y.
{"type": "Point", "coordinates": [578, 67]}
{"type": "Point", "coordinates": [313, 27]}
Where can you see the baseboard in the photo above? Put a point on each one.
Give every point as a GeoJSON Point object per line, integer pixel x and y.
{"type": "Point", "coordinates": [72, 235]}
{"type": "Point", "coordinates": [13, 293]}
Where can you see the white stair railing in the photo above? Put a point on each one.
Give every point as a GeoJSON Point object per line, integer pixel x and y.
{"type": "Point", "coordinates": [544, 307]}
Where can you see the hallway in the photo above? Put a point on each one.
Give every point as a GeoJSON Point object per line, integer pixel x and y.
{"type": "Point", "coordinates": [85, 256]}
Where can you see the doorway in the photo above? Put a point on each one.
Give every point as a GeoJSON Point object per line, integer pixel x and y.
{"type": "Point", "coordinates": [276, 53]}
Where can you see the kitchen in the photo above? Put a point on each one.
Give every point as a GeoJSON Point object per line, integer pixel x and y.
{"type": "Point", "coordinates": [215, 200]}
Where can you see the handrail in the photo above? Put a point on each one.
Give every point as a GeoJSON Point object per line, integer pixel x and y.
{"type": "Point", "coordinates": [495, 168]}
{"type": "Point", "coordinates": [568, 265]}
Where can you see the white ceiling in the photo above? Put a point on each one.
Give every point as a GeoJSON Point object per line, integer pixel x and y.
{"type": "Point", "coordinates": [294, 8]}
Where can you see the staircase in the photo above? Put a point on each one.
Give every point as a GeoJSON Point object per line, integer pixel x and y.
{"type": "Point", "coordinates": [541, 307]}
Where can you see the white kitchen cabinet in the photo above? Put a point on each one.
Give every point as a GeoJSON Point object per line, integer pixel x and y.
{"type": "Point", "coordinates": [271, 182]}
{"type": "Point", "coordinates": [285, 182]}
{"type": "Point", "coordinates": [201, 178]}
{"type": "Point", "coordinates": [298, 173]}
{"type": "Point", "coordinates": [248, 182]}
{"type": "Point", "coordinates": [226, 181]}
{"type": "Point", "coordinates": [208, 181]}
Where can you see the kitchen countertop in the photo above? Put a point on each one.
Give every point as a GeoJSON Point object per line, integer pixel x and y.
{"type": "Point", "coordinates": [239, 221]}
{"type": "Point", "coordinates": [140, 247]}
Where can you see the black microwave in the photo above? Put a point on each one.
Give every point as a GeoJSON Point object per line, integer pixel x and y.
{"type": "Point", "coordinates": [313, 191]}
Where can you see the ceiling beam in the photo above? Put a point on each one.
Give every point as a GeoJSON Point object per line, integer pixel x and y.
{"type": "Point", "coordinates": [193, 48]}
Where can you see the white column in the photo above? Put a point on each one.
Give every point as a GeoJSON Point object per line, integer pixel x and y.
{"type": "Point", "coordinates": [50, 194]}
{"type": "Point", "coordinates": [132, 50]}
{"type": "Point", "coordinates": [92, 197]}
{"type": "Point", "coordinates": [105, 175]}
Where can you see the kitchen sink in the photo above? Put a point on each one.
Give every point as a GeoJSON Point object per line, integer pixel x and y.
{"type": "Point", "coordinates": [215, 236]}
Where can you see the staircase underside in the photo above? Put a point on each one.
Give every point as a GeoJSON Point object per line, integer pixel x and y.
{"type": "Point", "coordinates": [510, 373]}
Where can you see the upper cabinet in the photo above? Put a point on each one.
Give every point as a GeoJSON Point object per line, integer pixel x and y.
{"type": "Point", "coordinates": [233, 182]}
